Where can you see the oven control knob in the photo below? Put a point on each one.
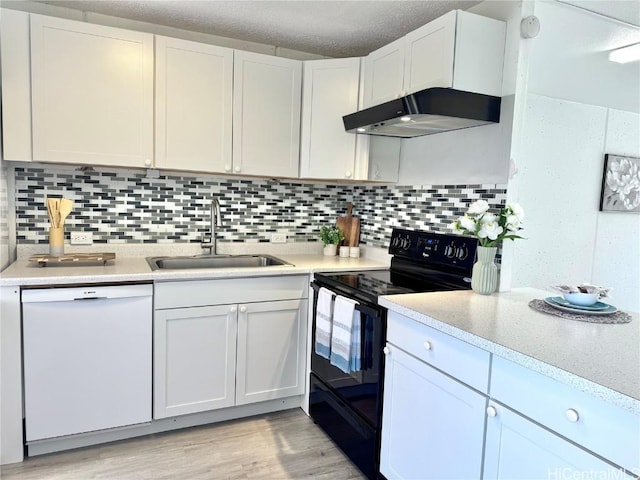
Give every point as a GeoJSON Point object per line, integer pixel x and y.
{"type": "Point", "coordinates": [386, 351]}
{"type": "Point", "coordinates": [450, 251]}
{"type": "Point", "coordinates": [462, 252]}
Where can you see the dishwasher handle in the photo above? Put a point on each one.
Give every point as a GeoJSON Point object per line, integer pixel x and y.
{"type": "Point", "coordinates": [90, 292]}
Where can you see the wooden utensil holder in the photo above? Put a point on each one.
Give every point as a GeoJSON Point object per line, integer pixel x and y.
{"type": "Point", "coordinates": [56, 241]}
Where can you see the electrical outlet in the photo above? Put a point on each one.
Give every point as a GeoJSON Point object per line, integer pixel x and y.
{"type": "Point", "coordinates": [81, 238]}
{"type": "Point", "coordinates": [278, 238]}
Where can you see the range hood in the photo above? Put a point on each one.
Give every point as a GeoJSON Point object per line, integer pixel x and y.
{"type": "Point", "coordinates": [426, 112]}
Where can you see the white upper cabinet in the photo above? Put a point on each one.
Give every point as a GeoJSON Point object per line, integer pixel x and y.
{"type": "Point", "coordinates": [194, 95]}
{"type": "Point", "coordinates": [459, 50]}
{"type": "Point", "coordinates": [16, 85]}
{"type": "Point", "coordinates": [266, 115]}
{"type": "Point", "coordinates": [92, 93]}
{"type": "Point", "coordinates": [384, 73]}
{"type": "Point", "coordinates": [330, 91]}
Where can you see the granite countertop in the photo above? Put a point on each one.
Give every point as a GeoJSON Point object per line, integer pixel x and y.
{"type": "Point", "coordinates": [600, 359]}
{"type": "Point", "coordinates": [136, 269]}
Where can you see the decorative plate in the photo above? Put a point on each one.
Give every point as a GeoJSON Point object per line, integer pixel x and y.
{"type": "Point", "coordinates": [566, 303]}
{"type": "Point", "coordinates": [609, 309]}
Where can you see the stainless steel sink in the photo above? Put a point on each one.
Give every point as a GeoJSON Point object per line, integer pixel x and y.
{"type": "Point", "coordinates": [214, 261]}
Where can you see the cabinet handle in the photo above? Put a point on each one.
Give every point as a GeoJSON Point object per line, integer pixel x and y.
{"type": "Point", "coordinates": [491, 411]}
{"type": "Point", "coordinates": [227, 168]}
{"type": "Point", "coordinates": [427, 345]}
{"type": "Point", "coordinates": [237, 169]}
{"type": "Point", "coordinates": [348, 174]}
{"type": "Point", "coordinates": [572, 415]}
{"type": "Point", "coordinates": [243, 309]}
{"type": "Point", "coordinates": [386, 351]}
{"type": "Point", "coordinates": [147, 163]}
{"type": "Point", "coordinates": [233, 309]}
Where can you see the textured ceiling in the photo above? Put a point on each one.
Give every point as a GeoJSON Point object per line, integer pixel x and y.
{"type": "Point", "coordinates": [325, 27]}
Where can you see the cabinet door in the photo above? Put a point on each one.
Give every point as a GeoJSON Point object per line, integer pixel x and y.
{"type": "Point", "coordinates": [384, 71]}
{"type": "Point", "coordinates": [16, 85]}
{"type": "Point", "coordinates": [193, 105]}
{"type": "Point", "coordinates": [194, 359]}
{"type": "Point", "coordinates": [271, 350]}
{"type": "Point", "coordinates": [266, 115]}
{"type": "Point", "coordinates": [92, 93]}
{"type": "Point", "coordinates": [517, 448]}
{"type": "Point", "coordinates": [479, 57]}
{"type": "Point", "coordinates": [429, 54]}
{"type": "Point", "coordinates": [330, 91]}
{"type": "Point", "coordinates": [432, 425]}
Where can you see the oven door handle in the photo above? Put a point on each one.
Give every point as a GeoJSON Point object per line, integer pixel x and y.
{"type": "Point", "coordinates": [375, 313]}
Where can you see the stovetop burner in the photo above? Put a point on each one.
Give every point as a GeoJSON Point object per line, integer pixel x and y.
{"type": "Point", "coordinates": [422, 262]}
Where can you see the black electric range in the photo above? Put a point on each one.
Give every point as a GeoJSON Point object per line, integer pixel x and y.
{"type": "Point", "coordinates": [348, 406]}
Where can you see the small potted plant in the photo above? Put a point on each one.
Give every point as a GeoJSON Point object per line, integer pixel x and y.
{"type": "Point", "coordinates": [331, 237]}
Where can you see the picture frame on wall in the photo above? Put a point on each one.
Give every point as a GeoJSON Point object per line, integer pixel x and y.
{"type": "Point", "coordinates": [620, 184]}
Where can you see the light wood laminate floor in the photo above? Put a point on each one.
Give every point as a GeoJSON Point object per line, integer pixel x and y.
{"type": "Point", "coordinates": [283, 445]}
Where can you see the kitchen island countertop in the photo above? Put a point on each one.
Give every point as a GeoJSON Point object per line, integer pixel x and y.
{"type": "Point", "coordinates": [600, 359]}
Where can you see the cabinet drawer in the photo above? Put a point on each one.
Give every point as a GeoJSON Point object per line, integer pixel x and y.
{"type": "Point", "coordinates": [199, 293]}
{"type": "Point", "coordinates": [605, 429]}
{"type": "Point", "coordinates": [462, 361]}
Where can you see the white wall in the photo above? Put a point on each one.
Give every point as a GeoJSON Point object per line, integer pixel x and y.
{"type": "Point", "coordinates": [579, 106]}
{"type": "Point", "coordinates": [473, 155]}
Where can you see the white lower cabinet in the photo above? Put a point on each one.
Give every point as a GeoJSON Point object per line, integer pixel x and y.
{"type": "Point", "coordinates": [435, 425]}
{"type": "Point", "coordinates": [519, 449]}
{"type": "Point", "coordinates": [222, 343]}
{"type": "Point", "coordinates": [194, 359]}
{"type": "Point", "coordinates": [432, 426]}
{"type": "Point", "coordinates": [271, 361]}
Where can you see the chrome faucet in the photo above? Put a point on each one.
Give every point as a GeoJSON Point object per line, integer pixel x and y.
{"type": "Point", "coordinates": [210, 239]}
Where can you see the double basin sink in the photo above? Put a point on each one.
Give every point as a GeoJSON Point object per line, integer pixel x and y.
{"type": "Point", "coordinates": [214, 261]}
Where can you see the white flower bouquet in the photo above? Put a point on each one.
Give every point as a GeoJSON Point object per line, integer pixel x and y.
{"type": "Point", "coordinates": [487, 227]}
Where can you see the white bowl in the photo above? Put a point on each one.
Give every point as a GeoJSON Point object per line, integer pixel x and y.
{"type": "Point", "coordinates": [583, 299]}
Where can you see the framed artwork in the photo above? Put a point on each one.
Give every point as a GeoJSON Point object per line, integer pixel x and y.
{"type": "Point", "coordinates": [620, 184]}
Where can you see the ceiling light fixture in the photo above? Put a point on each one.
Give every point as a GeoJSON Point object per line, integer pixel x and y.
{"type": "Point", "coordinates": [630, 53]}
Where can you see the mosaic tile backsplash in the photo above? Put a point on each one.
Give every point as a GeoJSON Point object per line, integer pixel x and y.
{"type": "Point", "coordinates": [129, 207]}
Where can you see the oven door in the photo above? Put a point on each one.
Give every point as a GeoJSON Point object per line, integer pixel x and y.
{"type": "Point", "coordinates": [361, 390]}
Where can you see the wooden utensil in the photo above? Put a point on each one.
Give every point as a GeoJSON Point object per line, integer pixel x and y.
{"type": "Point", "coordinates": [350, 227]}
{"type": "Point", "coordinates": [53, 210]}
{"type": "Point", "coordinates": [66, 206]}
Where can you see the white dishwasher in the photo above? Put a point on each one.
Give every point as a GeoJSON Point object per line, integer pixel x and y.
{"type": "Point", "coordinates": [87, 358]}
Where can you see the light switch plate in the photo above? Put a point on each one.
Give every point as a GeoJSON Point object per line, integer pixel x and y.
{"type": "Point", "coordinates": [81, 238]}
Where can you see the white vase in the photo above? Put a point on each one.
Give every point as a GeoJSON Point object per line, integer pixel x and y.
{"type": "Point", "coordinates": [330, 250]}
{"type": "Point", "coordinates": [484, 276]}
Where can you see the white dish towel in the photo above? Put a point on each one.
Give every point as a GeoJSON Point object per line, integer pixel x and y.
{"type": "Point", "coordinates": [324, 314]}
{"type": "Point", "coordinates": [342, 333]}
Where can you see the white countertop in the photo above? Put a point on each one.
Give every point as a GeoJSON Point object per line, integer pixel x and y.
{"type": "Point", "coordinates": [136, 269]}
{"type": "Point", "coordinates": [601, 359]}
